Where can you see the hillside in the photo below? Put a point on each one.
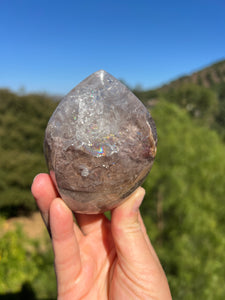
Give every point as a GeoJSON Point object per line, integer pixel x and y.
{"type": "Point", "coordinates": [212, 76]}
{"type": "Point", "coordinates": [184, 208]}
{"type": "Point", "coordinates": [208, 77]}
{"type": "Point", "coordinates": [22, 123]}
{"type": "Point", "coordinates": [201, 94]}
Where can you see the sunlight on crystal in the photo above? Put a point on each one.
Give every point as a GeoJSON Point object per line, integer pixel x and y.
{"type": "Point", "coordinates": [100, 144]}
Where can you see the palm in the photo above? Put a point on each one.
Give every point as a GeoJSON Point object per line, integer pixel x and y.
{"type": "Point", "coordinates": [101, 272]}
{"type": "Point", "coordinates": [98, 258]}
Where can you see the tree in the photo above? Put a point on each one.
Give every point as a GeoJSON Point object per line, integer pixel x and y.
{"type": "Point", "coordinates": [220, 116]}
{"type": "Point", "coordinates": [200, 102]}
{"type": "Point", "coordinates": [184, 208]}
{"type": "Point", "coordinates": [22, 124]}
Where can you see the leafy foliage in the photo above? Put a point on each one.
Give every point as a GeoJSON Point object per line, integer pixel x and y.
{"type": "Point", "coordinates": [147, 97]}
{"type": "Point", "coordinates": [23, 261]}
{"type": "Point", "coordinates": [22, 123]}
{"type": "Point", "coordinates": [184, 207]}
{"type": "Point", "coordinates": [199, 102]}
{"type": "Point", "coordinates": [201, 94]}
{"type": "Point", "coordinates": [220, 115]}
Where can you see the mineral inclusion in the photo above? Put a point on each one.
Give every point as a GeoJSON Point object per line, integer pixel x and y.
{"type": "Point", "coordinates": [100, 144]}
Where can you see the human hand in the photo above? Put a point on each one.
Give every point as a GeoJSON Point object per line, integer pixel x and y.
{"type": "Point", "coordinates": [100, 259]}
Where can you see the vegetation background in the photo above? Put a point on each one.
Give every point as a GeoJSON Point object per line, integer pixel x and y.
{"type": "Point", "coordinates": [184, 207]}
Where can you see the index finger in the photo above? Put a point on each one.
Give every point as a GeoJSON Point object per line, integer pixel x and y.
{"type": "Point", "coordinates": [44, 193]}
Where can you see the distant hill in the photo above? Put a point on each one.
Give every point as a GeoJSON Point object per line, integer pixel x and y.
{"type": "Point", "coordinates": [201, 94]}
{"type": "Point", "coordinates": [207, 77]}
{"type": "Point", "coordinates": [212, 76]}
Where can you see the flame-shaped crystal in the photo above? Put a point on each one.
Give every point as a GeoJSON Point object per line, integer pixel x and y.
{"type": "Point", "coordinates": [100, 144]}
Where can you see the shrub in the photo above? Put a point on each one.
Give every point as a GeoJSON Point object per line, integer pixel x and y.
{"type": "Point", "coordinates": [23, 264]}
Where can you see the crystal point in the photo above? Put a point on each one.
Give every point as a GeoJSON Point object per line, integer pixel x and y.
{"type": "Point", "coordinates": [100, 144]}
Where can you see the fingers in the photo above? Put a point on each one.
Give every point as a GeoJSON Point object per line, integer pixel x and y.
{"type": "Point", "coordinates": [44, 192]}
{"type": "Point", "coordinates": [130, 237]}
{"type": "Point", "coordinates": [65, 245]}
{"type": "Point", "coordinates": [91, 223]}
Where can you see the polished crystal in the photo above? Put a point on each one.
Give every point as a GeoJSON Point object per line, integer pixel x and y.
{"type": "Point", "coordinates": [100, 144]}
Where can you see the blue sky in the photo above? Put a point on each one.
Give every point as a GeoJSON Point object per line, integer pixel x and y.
{"type": "Point", "coordinates": [50, 46]}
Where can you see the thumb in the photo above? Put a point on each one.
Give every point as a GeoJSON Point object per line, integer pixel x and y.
{"type": "Point", "coordinates": [136, 256]}
{"type": "Point", "coordinates": [129, 233]}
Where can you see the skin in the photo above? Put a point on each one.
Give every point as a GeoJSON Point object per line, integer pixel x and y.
{"type": "Point", "coordinates": [100, 259]}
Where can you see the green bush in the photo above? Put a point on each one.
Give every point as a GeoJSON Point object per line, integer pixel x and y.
{"type": "Point", "coordinates": [184, 207]}
{"type": "Point", "coordinates": [23, 262]}
{"type": "Point", "coordinates": [22, 124]}
{"type": "Point", "coordinates": [200, 102]}
{"type": "Point", "coordinates": [17, 170]}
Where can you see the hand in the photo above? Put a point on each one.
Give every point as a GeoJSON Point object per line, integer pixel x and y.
{"type": "Point", "coordinates": [100, 259]}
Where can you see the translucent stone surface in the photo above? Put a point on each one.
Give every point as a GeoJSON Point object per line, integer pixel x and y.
{"type": "Point", "coordinates": [100, 144]}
